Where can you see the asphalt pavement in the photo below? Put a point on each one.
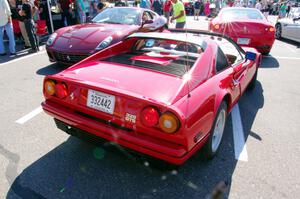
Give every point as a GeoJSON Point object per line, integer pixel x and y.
{"type": "Point", "coordinates": [39, 161]}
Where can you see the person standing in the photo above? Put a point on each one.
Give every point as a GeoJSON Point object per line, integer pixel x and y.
{"type": "Point", "coordinates": [145, 4]}
{"type": "Point", "coordinates": [44, 14]}
{"type": "Point", "coordinates": [19, 4]}
{"type": "Point", "coordinates": [196, 10]}
{"type": "Point", "coordinates": [157, 6]}
{"type": "Point", "coordinates": [26, 13]}
{"type": "Point", "coordinates": [100, 7]}
{"type": "Point", "coordinates": [66, 10]}
{"type": "Point", "coordinates": [6, 23]}
{"type": "Point", "coordinates": [206, 8]}
{"type": "Point", "coordinates": [166, 9]}
{"type": "Point", "coordinates": [119, 3]}
{"type": "Point", "coordinates": [81, 11]}
{"type": "Point", "coordinates": [258, 5]}
{"type": "Point", "coordinates": [178, 14]}
{"type": "Point", "coordinates": [282, 11]}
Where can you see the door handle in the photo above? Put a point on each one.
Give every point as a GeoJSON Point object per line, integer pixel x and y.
{"type": "Point", "coordinates": [235, 82]}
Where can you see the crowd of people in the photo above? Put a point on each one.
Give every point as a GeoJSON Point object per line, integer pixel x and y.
{"type": "Point", "coordinates": [25, 12]}
{"type": "Point", "coordinates": [22, 15]}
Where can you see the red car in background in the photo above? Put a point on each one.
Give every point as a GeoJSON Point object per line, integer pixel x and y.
{"type": "Point", "coordinates": [162, 94]}
{"type": "Point", "coordinates": [246, 26]}
{"type": "Point", "coordinates": [74, 43]}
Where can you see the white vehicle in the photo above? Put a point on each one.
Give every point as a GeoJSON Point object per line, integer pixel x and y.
{"type": "Point", "coordinates": [289, 27]}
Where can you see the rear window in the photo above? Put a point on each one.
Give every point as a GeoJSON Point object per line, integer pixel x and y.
{"type": "Point", "coordinates": [169, 56]}
{"type": "Point", "coordinates": [241, 14]}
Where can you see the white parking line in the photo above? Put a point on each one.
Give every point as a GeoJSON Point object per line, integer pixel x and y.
{"type": "Point", "coordinates": [240, 149]}
{"type": "Point", "coordinates": [30, 115]}
{"type": "Point", "coordinates": [290, 48]}
{"type": "Point", "coordinates": [25, 57]}
{"type": "Point", "coordinates": [278, 57]}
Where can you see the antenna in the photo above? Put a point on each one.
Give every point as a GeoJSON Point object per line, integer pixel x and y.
{"type": "Point", "coordinates": [186, 71]}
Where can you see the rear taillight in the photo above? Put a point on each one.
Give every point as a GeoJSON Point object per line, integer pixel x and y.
{"type": "Point", "coordinates": [270, 29]}
{"type": "Point", "coordinates": [168, 122]}
{"type": "Point", "coordinates": [216, 26]}
{"type": "Point", "coordinates": [150, 117]}
{"type": "Point", "coordinates": [49, 87]}
{"type": "Point", "coordinates": [53, 88]}
{"type": "Point", "coordinates": [61, 90]}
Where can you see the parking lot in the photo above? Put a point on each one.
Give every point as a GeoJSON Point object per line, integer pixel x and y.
{"type": "Point", "coordinates": [259, 156]}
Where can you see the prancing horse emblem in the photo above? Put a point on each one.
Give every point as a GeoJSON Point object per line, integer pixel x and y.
{"type": "Point", "coordinates": [70, 46]}
{"type": "Point", "coordinates": [245, 29]}
{"type": "Point", "coordinates": [68, 58]}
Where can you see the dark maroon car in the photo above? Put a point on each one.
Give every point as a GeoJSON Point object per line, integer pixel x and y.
{"type": "Point", "coordinates": [72, 44]}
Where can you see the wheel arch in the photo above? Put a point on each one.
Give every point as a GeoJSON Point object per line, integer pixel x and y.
{"type": "Point", "coordinates": [226, 96]}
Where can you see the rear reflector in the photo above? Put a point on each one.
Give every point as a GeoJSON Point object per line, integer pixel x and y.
{"type": "Point", "coordinates": [49, 87]}
{"type": "Point", "coordinates": [168, 122]}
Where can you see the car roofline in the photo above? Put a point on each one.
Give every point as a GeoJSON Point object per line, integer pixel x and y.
{"type": "Point", "coordinates": [208, 33]}
{"type": "Point", "coordinates": [167, 36]}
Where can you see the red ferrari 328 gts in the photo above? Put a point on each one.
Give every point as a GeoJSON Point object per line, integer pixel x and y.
{"type": "Point", "coordinates": [165, 95]}
{"type": "Point", "coordinates": [246, 26]}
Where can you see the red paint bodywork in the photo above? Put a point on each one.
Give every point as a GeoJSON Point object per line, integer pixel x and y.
{"type": "Point", "coordinates": [194, 102]}
{"type": "Point", "coordinates": [80, 41]}
{"type": "Point", "coordinates": [258, 31]}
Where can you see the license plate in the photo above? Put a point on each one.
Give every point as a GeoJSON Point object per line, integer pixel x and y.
{"type": "Point", "coordinates": [101, 101]}
{"type": "Point", "coordinates": [243, 41]}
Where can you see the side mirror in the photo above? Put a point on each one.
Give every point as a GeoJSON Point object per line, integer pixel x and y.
{"type": "Point", "coordinates": [250, 56]}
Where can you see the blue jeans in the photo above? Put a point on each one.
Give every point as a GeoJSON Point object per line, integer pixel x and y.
{"type": "Point", "coordinates": [10, 33]}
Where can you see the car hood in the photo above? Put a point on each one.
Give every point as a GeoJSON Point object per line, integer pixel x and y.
{"type": "Point", "coordinates": [85, 38]}
{"type": "Point", "coordinates": [151, 85]}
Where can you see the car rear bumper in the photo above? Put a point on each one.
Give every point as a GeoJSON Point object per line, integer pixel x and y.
{"type": "Point", "coordinates": [263, 45]}
{"type": "Point", "coordinates": [79, 125]}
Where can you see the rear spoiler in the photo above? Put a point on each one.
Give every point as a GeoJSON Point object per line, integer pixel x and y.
{"type": "Point", "coordinates": [208, 33]}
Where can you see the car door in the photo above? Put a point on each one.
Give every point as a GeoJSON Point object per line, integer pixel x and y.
{"type": "Point", "coordinates": [288, 27]}
{"type": "Point", "coordinates": [243, 71]}
{"type": "Point", "coordinates": [295, 31]}
{"type": "Point", "coordinates": [226, 73]}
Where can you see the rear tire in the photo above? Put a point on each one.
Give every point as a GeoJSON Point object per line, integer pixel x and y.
{"type": "Point", "coordinates": [214, 141]}
{"type": "Point", "coordinates": [278, 31]}
{"type": "Point", "coordinates": [265, 53]}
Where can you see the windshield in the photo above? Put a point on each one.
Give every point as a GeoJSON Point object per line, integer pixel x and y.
{"type": "Point", "coordinates": [241, 14]}
{"type": "Point", "coordinates": [127, 16]}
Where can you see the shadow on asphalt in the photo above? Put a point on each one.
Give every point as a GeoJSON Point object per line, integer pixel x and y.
{"type": "Point", "coordinates": [269, 62]}
{"type": "Point", "coordinates": [51, 69]}
{"type": "Point", "coordinates": [249, 105]}
{"type": "Point", "coordinates": [294, 43]}
{"type": "Point", "coordinates": [20, 53]}
{"type": "Point", "coordinates": [7, 58]}
{"type": "Point", "coordinates": [78, 169]}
